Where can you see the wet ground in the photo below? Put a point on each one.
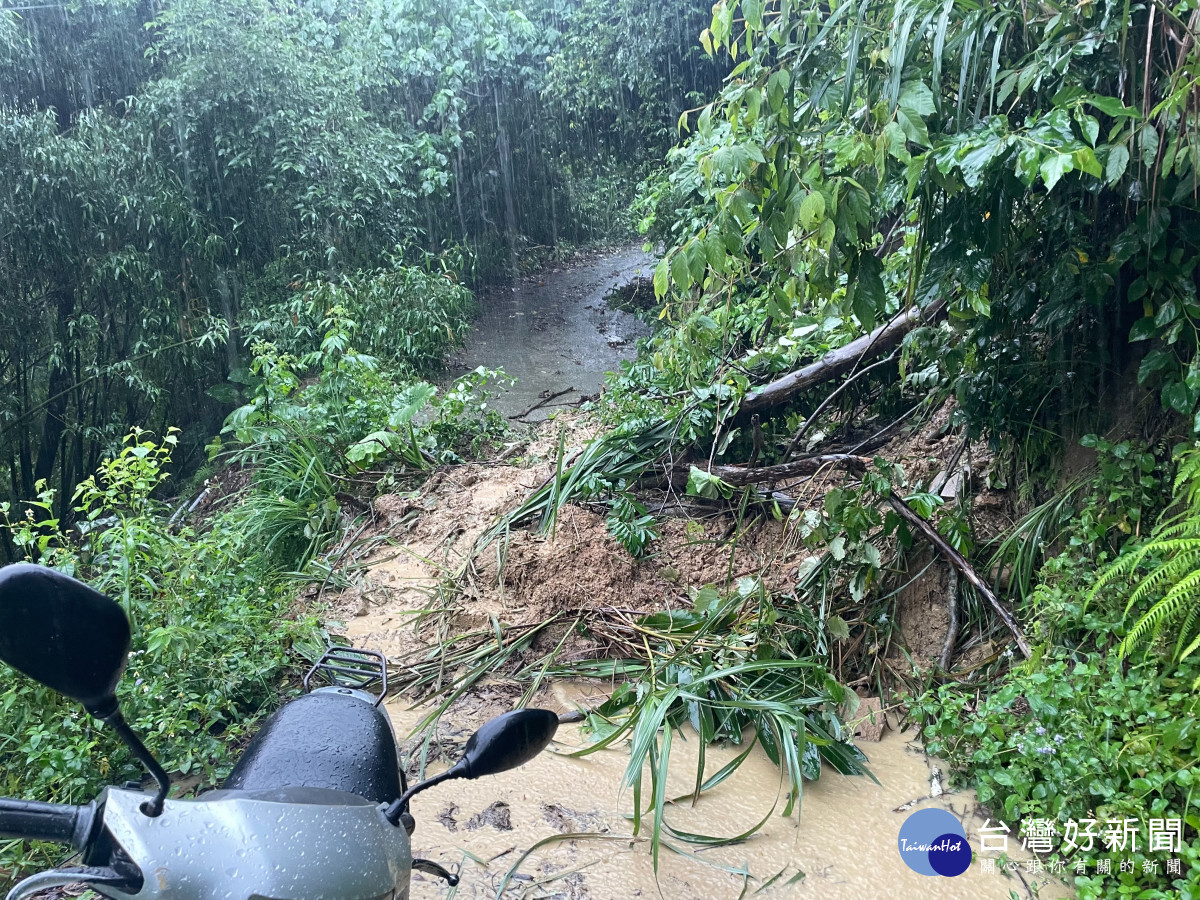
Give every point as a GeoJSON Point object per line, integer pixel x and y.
{"type": "Point", "coordinates": [560, 827]}
{"type": "Point", "coordinates": [842, 847]}
{"type": "Point", "coordinates": [554, 331]}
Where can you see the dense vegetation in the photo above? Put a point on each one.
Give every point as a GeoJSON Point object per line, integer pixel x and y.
{"type": "Point", "coordinates": [1012, 188]}
{"type": "Point", "coordinates": [248, 232]}
{"type": "Point", "coordinates": [170, 174]}
{"type": "Point", "coordinates": [275, 210]}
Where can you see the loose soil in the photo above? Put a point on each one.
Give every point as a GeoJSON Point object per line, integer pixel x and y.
{"type": "Point", "coordinates": [845, 840]}
{"type": "Point", "coordinates": [560, 825]}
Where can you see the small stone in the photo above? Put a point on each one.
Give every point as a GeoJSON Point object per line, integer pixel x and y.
{"type": "Point", "coordinates": [872, 720]}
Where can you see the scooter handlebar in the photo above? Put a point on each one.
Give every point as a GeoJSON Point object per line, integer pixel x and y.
{"type": "Point", "coordinates": [33, 821]}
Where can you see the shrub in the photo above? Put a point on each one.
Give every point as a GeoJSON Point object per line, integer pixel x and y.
{"type": "Point", "coordinates": [211, 637]}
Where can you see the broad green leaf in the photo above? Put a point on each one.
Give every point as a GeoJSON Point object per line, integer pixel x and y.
{"type": "Point", "coordinates": [1143, 329]}
{"type": "Point", "coordinates": [1054, 167]}
{"type": "Point", "coordinates": [868, 298]}
{"type": "Point", "coordinates": [705, 484]}
{"type": "Point", "coordinates": [1115, 165]}
{"type": "Point", "coordinates": [696, 259]}
{"type": "Point", "coordinates": [1148, 144]}
{"type": "Point", "coordinates": [1090, 128]}
{"type": "Point", "coordinates": [1154, 361]}
{"type": "Point", "coordinates": [917, 99]}
{"type": "Point", "coordinates": [826, 234]}
{"type": "Point", "coordinates": [777, 86]}
{"type": "Point", "coordinates": [896, 141]}
{"type": "Point", "coordinates": [1112, 106]}
{"type": "Point", "coordinates": [1084, 159]}
{"type": "Point", "coordinates": [1029, 158]}
{"type": "Point", "coordinates": [414, 399]}
{"type": "Point", "coordinates": [812, 211]}
{"type": "Point", "coordinates": [752, 10]}
{"type": "Point", "coordinates": [662, 274]}
{"type": "Point", "coordinates": [681, 273]}
{"type": "Point", "coordinates": [913, 126]}
{"type": "Point", "coordinates": [714, 251]}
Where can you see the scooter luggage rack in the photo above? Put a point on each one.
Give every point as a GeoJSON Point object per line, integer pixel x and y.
{"type": "Point", "coordinates": [352, 668]}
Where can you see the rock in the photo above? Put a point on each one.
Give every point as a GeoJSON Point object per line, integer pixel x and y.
{"type": "Point", "coordinates": [952, 486]}
{"type": "Point", "coordinates": [873, 721]}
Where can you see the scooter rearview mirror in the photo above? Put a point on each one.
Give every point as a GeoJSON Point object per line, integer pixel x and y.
{"type": "Point", "coordinates": [64, 634]}
{"type": "Point", "coordinates": [503, 743]}
{"type": "Point", "coordinates": [75, 641]}
{"type": "Point", "coordinates": [507, 741]}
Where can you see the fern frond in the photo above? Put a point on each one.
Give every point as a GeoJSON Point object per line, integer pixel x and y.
{"type": "Point", "coordinates": [1168, 572]}
{"type": "Point", "coordinates": [1175, 544]}
{"type": "Point", "coordinates": [1187, 628]}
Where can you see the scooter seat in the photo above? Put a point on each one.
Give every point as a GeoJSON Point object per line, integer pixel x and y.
{"type": "Point", "coordinates": [329, 739]}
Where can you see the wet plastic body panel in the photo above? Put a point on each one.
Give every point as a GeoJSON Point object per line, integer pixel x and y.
{"type": "Point", "coordinates": [241, 847]}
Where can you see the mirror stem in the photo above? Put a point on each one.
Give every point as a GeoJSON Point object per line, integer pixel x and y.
{"type": "Point", "coordinates": [114, 720]}
{"type": "Point", "coordinates": [458, 770]}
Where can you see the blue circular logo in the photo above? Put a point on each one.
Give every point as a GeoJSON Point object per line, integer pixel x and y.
{"type": "Point", "coordinates": [933, 842]}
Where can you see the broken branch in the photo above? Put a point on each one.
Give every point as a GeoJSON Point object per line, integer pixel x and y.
{"type": "Point", "coordinates": [542, 403]}
{"type": "Point", "coordinates": [740, 476]}
{"type": "Point", "coordinates": [956, 559]}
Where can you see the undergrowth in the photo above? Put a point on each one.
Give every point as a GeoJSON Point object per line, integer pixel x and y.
{"type": "Point", "coordinates": [1103, 724]}
{"type": "Point", "coordinates": [217, 632]}
{"type": "Point", "coordinates": [213, 637]}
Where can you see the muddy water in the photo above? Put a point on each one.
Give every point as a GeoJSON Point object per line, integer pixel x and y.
{"type": "Point", "coordinates": [554, 331]}
{"type": "Point", "coordinates": [844, 843]}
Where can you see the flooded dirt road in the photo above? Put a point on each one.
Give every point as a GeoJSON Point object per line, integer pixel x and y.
{"type": "Point", "coordinates": [554, 331]}
{"type": "Point", "coordinates": [843, 847]}
{"type": "Point", "coordinates": [560, 827]}
{"type": "Point", "coordinates": [845, 841]}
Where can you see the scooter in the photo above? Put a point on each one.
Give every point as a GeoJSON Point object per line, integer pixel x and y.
{"type": "Point", "coordinates": [315, 808]}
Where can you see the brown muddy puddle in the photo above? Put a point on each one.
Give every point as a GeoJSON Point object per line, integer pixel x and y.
{"type": "Point", "coordinates": [844, 843]}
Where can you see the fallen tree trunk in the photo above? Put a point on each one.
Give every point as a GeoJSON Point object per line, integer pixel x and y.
{"type": "Point", "coordinates": [740, 476]}
{"type": "Point", "coordinates": [838, 362]}
{"type": "Point", "coordinates": [956, 559]}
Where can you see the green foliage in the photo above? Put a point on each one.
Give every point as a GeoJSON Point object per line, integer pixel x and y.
{"type": "Point", "coordinates": [176, 176]}
{"type": "Point", "coordinates": [292, 513]}
{"type": "Point", "coordinates": [631, 67]}
{"type": "Point", "coordinates": [1078, 735]}
{"type": "Point", "coordinates": [406, 316]}
{"type": "Point", "coordinates": [630, 523]}
{"type": "Point", "coordinates": [1172, 554]}
{"type": "Point", "coordinates": [1093, 514]}
{"type": "Point", "coordinates": [353, 413]}
{"type": "Point", "coordinates": [726, 665]}
{"type": "Point", "coordinates": [1033, 167]}
{"type": "Point", "coordinates": [1128, 485]}
{"type": "Point", "coordinates": [212, 636]}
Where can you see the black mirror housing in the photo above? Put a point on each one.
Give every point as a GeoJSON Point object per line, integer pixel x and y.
{"type": "Point", "coordinates": [64, 634]}
{"type": "Point", "coordinates": [507, 741]}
